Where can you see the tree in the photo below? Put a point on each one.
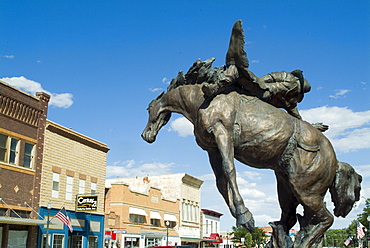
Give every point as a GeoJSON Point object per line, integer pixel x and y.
{"type": "Point", "coordinates": [365, 214]}
{"type": "Point", "coordinates": [250, 239]}
{"type": "Point", "coordinates": [336, 237]}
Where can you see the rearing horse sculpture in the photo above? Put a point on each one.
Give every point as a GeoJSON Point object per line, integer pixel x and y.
{"type": "Point", "coordinates": [234, 125]}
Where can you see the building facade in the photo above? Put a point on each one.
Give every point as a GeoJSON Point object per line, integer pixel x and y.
{"type": "Point", "coordinates": [211, 228]}
{"type": "Point", "coordinates": [74, 169]}
{"type": "Point", "coordinates": [166, 203]}
{"type": "Point", "coordinates": [22, 126]}
{"type": "Point", "coordinates": [139, 217]}
{"type": "Point", "coordinates": [227, 240]}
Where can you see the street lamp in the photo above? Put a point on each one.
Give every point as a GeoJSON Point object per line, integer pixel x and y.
{"type": "Point", "coordinates": [167, 223]}
{"type": "Point", "coordinates": [227, 240]}
{"type": "Point", "coordinates": [47, 225]}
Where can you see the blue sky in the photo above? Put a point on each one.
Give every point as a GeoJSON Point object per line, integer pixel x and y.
{"type": "Point", "coordinates": [104, 61]}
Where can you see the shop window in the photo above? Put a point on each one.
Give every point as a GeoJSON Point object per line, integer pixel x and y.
{"type": "Point", "coordinates": [55, 187]}
{"type": "Point", "coordinates": [131, 242]}
{"type": "Point", "coordinates": [137, 218]}
{"type": "Point", "coordinates": [93, 188]}
{"type": "Point", "coordinates": [58, 240]}
{"type": "Point", "coordinates": [93, 242]}
{"type": "Point", "coordinates": [77, 241]}
{"type": "Point", "coordinates": [152, 242]}
{"type": "Point", "coordinates": [3, 211]}
{"type": "Point", "coordinates": [43, 241]}
{"type": "Point", "coordinates": [28, 155]}
{"type": "Point", "coordinates": [69, 188]}
{"type": "Point", "coordinates": [17, 238]}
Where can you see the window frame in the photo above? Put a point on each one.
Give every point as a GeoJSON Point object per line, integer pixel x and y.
{"type": "Point", "coordinates": [69, 188]}
{"type": "Point", "coordinates": [55, 185]}
{"type": "Point", "coordinates": [93, 188]}
{"type": "Point", "coordinates": [96, 241]}
{"type": "Point", "coordinates": [136, 218]}
{"type": "Point", "coordinates": [28, 155]}
{"type": "Point", "coordinates": [81, 186]}
{"type": "Point", "coordinates": [54, 239]}
{"type": "Point", "coordinates": [7, 150]}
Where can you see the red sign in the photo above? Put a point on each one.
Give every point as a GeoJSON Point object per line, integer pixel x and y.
{"type": "Point", "coordinates": [110, 235]}
{"type": "Point", "coordinates": [214, 238]}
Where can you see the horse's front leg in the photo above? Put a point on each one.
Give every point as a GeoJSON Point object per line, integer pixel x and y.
{"type": "Point", "coordinates": [222, 181]}
{"type": "Point", "coordinates": [226, 149]}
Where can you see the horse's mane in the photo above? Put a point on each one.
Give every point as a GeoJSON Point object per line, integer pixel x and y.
{"type": "Point", "coordinates": [200, 72]}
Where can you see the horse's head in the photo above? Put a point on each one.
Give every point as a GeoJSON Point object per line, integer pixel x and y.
{"type": "Point", "coordinates": [158, 117]}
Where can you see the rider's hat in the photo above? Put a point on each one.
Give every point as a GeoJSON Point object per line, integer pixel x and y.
{"type": "Point", "coordinates": [305, 85]}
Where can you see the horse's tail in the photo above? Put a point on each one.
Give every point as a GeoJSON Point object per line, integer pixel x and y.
{"type": "Point", "coordinates": [345, 189]}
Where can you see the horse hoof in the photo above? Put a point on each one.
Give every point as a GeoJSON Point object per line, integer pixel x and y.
{"type": "Point", "coordinates": [246, 220]}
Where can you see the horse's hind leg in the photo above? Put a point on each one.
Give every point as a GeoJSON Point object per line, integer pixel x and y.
{"type": "Point", "coordinates": [288, 203]}
{"type": "Point", "coordinates": [315, 221]}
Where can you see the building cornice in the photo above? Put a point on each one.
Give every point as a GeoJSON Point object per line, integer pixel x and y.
{"type": "Point", "coordinates": [70, 134]}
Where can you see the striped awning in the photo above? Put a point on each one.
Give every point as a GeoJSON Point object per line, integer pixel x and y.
{"type": "Point", "coordinates": [137, 211]}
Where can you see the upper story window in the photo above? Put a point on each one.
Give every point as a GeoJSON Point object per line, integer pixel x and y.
{"type": "Point", "coordinates": [69, 188]}
{"type": "Point", "coordinates": [8, 149]}
{"type": "Point", "coordinates": [93, 188]}
{"type": "Point", "coordinates": [28, 155]}
{"type": "Point", "coordinates": [137, 218]}
{"type": "Point", "coordinates": [81, 187]}
{"type": "Point", "coordinates": [55, 187]}
{"type": "Point", "coordinates": [137, 215]}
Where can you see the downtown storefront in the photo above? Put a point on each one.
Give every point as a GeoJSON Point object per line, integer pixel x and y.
{"type": "Point", "coordinates": [88, 229]}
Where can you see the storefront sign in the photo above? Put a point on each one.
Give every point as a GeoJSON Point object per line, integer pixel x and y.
{"type": "Point", "coordinates": [87, 203]}
{"type": "Point", "coordinates": [214, 238]}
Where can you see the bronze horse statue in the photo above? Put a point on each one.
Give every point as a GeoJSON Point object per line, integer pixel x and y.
{"type": "Point", "coordinates": [232, 124]}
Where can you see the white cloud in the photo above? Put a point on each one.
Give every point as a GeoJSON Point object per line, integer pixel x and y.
{"type": "Point", "coordinates": [182, 126]}
{"type": "Point", "coordinates": [247, 192]}
{"type": "Point", "coordinates": [348, 130]}
{"type": "Point", "coordinates": [9, 56]}
{"type": "Point", "coordinates": [63, 100]}
{"type": "Point", "coordinates": [363, 170]}
{"type": "Point", "coordinates": [207, 177]}
{"type": "Point", "coordinates": [155, 89]}
{"type": "Point", "coordinates": [263, 218]}
{"type": "Point", "coordinates": [339, 93]}
{"type": "Point", "coordinates": [165, 80]}
{"type": "Point", "coordinates": [130, 168]}
{"type": "Point", "coordinates": [252, 175]}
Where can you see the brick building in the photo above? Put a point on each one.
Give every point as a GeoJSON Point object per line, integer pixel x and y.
{"type": "Point", "coordinates": [142, 209]}
{"type": "Point", "coordinates": [22, 126]}
{"type": "Point", "coordinates": [73, 177]}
